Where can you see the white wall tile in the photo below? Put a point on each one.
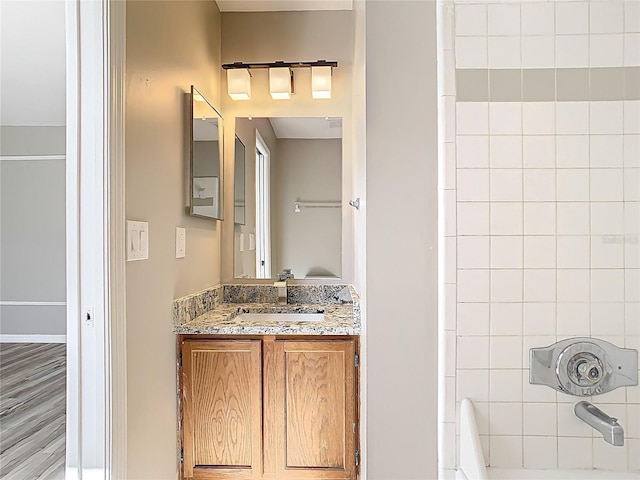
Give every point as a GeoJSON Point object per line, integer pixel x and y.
{"type": "Point", "coordinates": [504, 385]}
{"type": "Point", "coordinates": [506, 418]}
{"type": "Point", "coordinates": [450, 299]}
{"type": "Point", "coordinates": [472, 118]}
{"type": "Point", "coordinates": [571, 453]}
{"type": "Point", "coordinates": [606, 117]}
{"type": "Point", "coordinates": [473, 251]}
{"type": "Point", "coordinates": [607, 319]}
{"type": "Point", "coordinates": [606, 50]}
{"type": "Point", "coordinates": [631, 56]}
{"type": "Point", "coordinates": [539, 51]}
{"type": "Point", "coordinates": [606, 151]}
{"type": "Point", "coordinates": [506, 151]}
{"type": "Point", "coordinates": [505, 352]}
{"type": "Point", "coordinates": [472, 151]}
{"type": "Point", "coordinates": [606, 16]}
{"type": "Point", "coordinates": [634, 455]}
{"type": "Point", "coordinates": [606, 184]}
{"type": "Point", "coordinates": [539, 218]}
{"type": "Point", "coordinates": [504, 19]}
{"type": "Point", "coordinates": [449, 170]}
{"type": "Point", "coordinates": [538, 19]}
{"type": "Point", "coordinates": [538, 151]}
{"type": "Point", "coordinates": [473, 353]}
{"type": "Point", "coordinates": [632, 16]}
{"type": "Point", "coordinates": [540, 317]}
{"type": "Point", "coordinates": [607, 251]}
{"type": "Point", "coordinates": [506, 451]}
{"type": "Point", "coordinates": [573, 319]}
{"type": "Point", "coordinates": [539, 286]}
{"type": "Point", "coordinates": [573, 185]}
{"type": "Point", "coordinates": [573, 218]}
{"type": "Point", "coordinates": [607, 218]}
{"type": "Point", "coordinates": [572, 51]}
{"type": "Point", "coordinates": [471, 20]}
{"type": "Point", "coordinates": [607, 285]}
{"type": "Point", "coordinates": [450, 347]}
{"type": "Point", "coordinates": [506, 319]}
{"type": "Point", "coordinates": [506, 285]}
{"type": "Point", "coordinates": [632, 222]}
{"type": "Point", "coordinates": [573, 285]}
{"type": "Point", "coordinates": [572, 118]}
{"type": "Point", "coordinates": [473, 184]}
{"type": "Point", "coordinates": [540, 419]}
{"type": "Point", "coordinates": [473, 319]}
{"type": "Point", "coordinates": [506, 252]}
{"type": "Point", "coordinates": [450, 260]}
{"type": "Point", "coordinates": [631, 116]}
{"type": "Point", "coordinates": [450, 212]}
{"type": "Point", "coordinates": [506, 185]}
{"type": "Point", "coordinates": [619, 395]}
{"type": "Point", "coordinates": [633, 421]}
{"type": "Point", "coordinates": [539, 185]}
{"type": "Point", "coordinates": [568, 424]}
{"type": "Point", "coordinates": [632, 184]}
{"type": "Point", "coordinates": [471, 52]}
{"type": "Point", "coordinates": [538, 118]}
{"type": "Point", "coordinates": [505, 118]}
{"type": "Point", "coordinates": [572, 151]}
{"type": "Point", "coordinates": [504, 52]}
{"type": "Point", "coordinates": [572, 17]}
{"type": "Point", "coordinates": [473, 285]}
{"type": "Point", "coordinates": [473, 218]}
{"type": "Point", "coordinates": [473, 384]}
{"type": "Point", "coordinates": [536, 393]}
{"type": "Point", "coordinates": [632, 285]}
{"type": "Point", "coordinates": [573, 251]}
{"type": "Point", "coordinates": [507, 218]}
{"type": "Point", "coordinates": [608, 457]}
{"type": "Point", "coordinates": [539, 251]}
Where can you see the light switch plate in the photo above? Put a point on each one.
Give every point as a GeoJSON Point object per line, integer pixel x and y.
{"type": "Point", "coordinates": [181, 242]}
{"type": "Point", "coordinates": [241, 242]}
{"type": "Point", "coordinates": [137, 240]}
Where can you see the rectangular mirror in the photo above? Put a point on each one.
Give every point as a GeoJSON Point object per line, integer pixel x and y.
{"type": "Point", "coordinates": [239, 199]}
{"type": "Point", "coordinates": [292, 181]}
{"type": "Point", "coordinates": [206, 158]}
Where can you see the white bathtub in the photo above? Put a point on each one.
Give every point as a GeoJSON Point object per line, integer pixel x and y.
{"type": "Point", "coordinates": [472, 465]}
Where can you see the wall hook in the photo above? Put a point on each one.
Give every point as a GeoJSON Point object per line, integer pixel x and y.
{"type": "Point", "coordinates": [355, 203]}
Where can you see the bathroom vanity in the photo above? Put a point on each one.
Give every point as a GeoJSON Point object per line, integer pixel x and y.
{"type": "Point", "coordinates": [268, 390]}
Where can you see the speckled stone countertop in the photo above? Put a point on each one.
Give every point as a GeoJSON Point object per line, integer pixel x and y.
{"type": "Point", "coordinates": [218, 310]}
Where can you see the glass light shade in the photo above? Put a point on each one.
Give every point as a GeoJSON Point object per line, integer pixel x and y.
{"type": "Point", "coordinates": [239, 83]}
{"type": "Point", "coordinates": [321, 82]}
{"type": "Point", "coordinates": [280, 83]}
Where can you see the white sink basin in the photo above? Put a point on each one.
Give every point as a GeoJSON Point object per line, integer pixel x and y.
{"type": "Point", "coordinates": [280, 317]}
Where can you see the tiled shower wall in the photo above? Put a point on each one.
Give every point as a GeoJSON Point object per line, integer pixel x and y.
{"type": "Point", "coordinates": [541, 186]}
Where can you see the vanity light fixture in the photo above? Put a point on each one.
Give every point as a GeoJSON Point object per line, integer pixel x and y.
{"type": "Point", "coordinates": [281, 84]}
{"type": "Point", "coordinates": [239, 83]}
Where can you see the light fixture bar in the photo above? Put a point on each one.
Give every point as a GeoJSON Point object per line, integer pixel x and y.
{"type": "Point", "coordinates": [277, 64]}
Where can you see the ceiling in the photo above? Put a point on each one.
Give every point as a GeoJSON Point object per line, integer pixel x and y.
{"type": "Point", "coordinates": [282, 5]}
{"type": "Point", "coordinates": [32, 62]}
{"type": "Point", "coordinates": [307, 127]}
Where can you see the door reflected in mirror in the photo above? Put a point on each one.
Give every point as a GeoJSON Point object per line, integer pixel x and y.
{"type": "Point", "coordinates": [292, 181]}
{"type": "Point", "coordinates": [206, 158]}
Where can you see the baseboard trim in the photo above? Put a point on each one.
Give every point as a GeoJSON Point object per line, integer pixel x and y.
{"type": "Point", "coordinates": [33, 338]}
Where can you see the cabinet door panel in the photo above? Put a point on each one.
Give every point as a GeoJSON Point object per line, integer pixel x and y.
{"type": "Point", "coordinates": [316, 409]}
{"type": "Point", "coordinates": [222, 405]}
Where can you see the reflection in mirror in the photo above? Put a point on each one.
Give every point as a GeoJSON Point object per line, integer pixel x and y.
{"type": "Point", "coordinates": [293, 191]}
{"type": "Point", "coordinates": [239, 183]}
{"type": "Point", "coordinates": [206, 158]}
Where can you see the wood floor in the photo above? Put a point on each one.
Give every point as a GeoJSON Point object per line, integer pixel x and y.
{"type": "Point", "coordinates": [32, 411]}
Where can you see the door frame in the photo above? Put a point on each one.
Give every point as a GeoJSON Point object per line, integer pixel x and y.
{"type": "Point", "coordinates": [263, 208]}
{"type": "Point", "coordinates": [96, 342]}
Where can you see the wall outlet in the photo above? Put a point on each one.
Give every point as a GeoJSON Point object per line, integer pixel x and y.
{"type": "Point", "coordinates": [137, 240]}
{"type": "Point", "coordinates": [181, 242]}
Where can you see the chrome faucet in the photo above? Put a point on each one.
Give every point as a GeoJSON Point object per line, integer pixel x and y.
{"type": "Point", "coordinates": [609, 427]}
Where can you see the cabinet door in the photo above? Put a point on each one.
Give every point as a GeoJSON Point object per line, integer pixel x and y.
{"type": "Point", "coordinates": [222, 405]}
{"type": "Point", "coordinates": [315, 409]}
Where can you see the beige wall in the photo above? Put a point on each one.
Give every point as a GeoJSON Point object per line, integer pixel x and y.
{"type": "Point", "coordinates": [401, 240]}
{"type": "Point", "coordinates": [294, 36]}
{"type": "Point", "coordinates": [307, 170]}
{"type": "Point", "coordinates": [170, 45]}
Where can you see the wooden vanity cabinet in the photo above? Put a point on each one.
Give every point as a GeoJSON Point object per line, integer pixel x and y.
{"type": "Point", "coordinates": [269, 408]}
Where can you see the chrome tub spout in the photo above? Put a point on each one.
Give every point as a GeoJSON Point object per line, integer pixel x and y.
{"type": "Point", "coordinates": [608, 426]}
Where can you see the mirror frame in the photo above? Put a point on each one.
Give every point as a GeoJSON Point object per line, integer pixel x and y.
{"type": "Point", "coordinates": [220, 216]}
{"type": "Point", "coordinates": [235, 182]}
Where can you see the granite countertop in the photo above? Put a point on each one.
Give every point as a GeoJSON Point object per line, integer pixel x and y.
{"type": "Point", "coordinates": [340, 305]}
